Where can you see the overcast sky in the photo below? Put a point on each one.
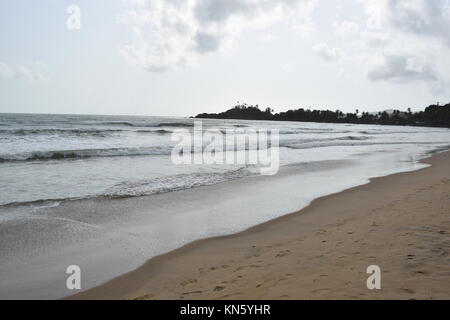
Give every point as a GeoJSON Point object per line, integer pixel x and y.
{"type": "Point", "coordinates": [183, 57]}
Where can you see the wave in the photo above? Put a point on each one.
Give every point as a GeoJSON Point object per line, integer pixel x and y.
{"type": "Point", "coordinates": [176, 124]}
{"type": "Point", "coordinates": [313, 145]}
{"type": "Point", "coordinates": [375, 132]}
{"type": "Point", "coordinates": [41, 203]}
{"type": "Point", "coordinates": [146, 125]}
{"type": "Point", "coordinates": [82, 154]}
{"type": "Point", "coordinates": [101, 153]}
{"type": "Point", "coordinates": [145, 187]}
{"type": "Point", "coordinates": [159, 131]}
{"type": "Point", "coordinates": [384, 132]}
{"type": "Point", "coordinates": [312, 131]}
{"type": "Point", "coordinates": [126, 124]}
{"type": "Point", "coordinates": [141, 151]}
{"type": "Point", "coordinates": [172, 183]}
{"type": "Point", "coordinates": [360, 138]}
{"type": "Point", "coordinates": [315, 129]}
{"type": "Point", "coordinates": [75, 132]}
{"type": "Point", "coordinates": [349, 138]}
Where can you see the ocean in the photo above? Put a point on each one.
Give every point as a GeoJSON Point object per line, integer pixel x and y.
{"type": "Point", "coordinates": [102, 192]}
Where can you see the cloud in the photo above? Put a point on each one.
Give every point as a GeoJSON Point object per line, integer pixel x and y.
{"type": "Point", "coordinates": [20, 72]}
{"type": "Point", "coordinates": [206, 42]}
{"type": "Point", "coordinates": [374, 39]}
{"type": "Point", "coordinates": [421, 17]}
{"type": "Point", "coordinates": [327, 53]}
{"type": "Point", "coordinates": [401, 69]}
{"type": "Point", "coordinates": [172, 33]}
{"type": "Point", "coordinates": [401, 41]}
{"type": "Point", "coordinates": [392, 40]}
{"type": "Point", "coordinates": [346, 28]}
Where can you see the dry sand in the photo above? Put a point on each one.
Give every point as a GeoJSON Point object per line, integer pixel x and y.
{"type": "Point", "coordinates": [400, 222]}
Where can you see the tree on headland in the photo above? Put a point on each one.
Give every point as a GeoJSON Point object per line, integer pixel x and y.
{"type": "Point", "coordinates": [433, 116]}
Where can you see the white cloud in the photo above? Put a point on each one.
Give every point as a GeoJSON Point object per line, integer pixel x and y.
{"type": "Point", "coordinates": [401, 69]}
{"type": "Point", "coordinates": [346, 28]}
{"type": "Point", "coordinates": [327, 53]}
{"type": "Point", "coordinates": [170, 33]}
{"type": "Point", "coordinates": [421, 17]}
{"type": "Point", "coordinates": [20, 72]}
{"type": "Point", "coordinates": [392, 40]}
{"type": "Point", "coordinates": [374, 39]}
{"type": "Point", "coordinates": [401, 41]}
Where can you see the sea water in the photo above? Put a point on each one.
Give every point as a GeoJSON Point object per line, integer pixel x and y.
{"type": "Point", "coordinates": [102, 192]}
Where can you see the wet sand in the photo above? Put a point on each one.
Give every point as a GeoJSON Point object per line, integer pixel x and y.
{"type": "Point", "coordinates": [400, 223]}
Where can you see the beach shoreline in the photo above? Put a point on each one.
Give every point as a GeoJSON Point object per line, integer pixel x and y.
{"type": "Point", "coordinates": [399, 222]}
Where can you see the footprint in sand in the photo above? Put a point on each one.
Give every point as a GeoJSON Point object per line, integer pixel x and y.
{"type": "Point", "coordinates": [145, 297]}
{"type": "Point", "coordinates": [253, 252]}
{"type": "Point", "coordinates": [422, 272]}
{"type": "Point", "coordinates": [231, 295]}
{"type": "Point", "coordinates": [321, 290]}
{"type": "Point", "coordinates": [191, 292]}
{"type": "Point", "coordinates": [187, 282]}
{"type": "Point", "coordinates": [283, 253]}
{"type": "Point", "coordinates": [410, 291]}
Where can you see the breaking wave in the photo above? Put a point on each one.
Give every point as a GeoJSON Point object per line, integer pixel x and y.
{"type": "Point", "coordinates": [74, 132]}
{"type": "Point", "coordinates": [87, 153]}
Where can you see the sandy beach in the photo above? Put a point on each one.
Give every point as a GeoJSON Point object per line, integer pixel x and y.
{"type": "Point", "coordinates": [399, 222]}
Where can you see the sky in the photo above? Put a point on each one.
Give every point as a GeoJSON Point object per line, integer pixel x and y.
{"type": "Point", "coordinates": [184, 57]}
